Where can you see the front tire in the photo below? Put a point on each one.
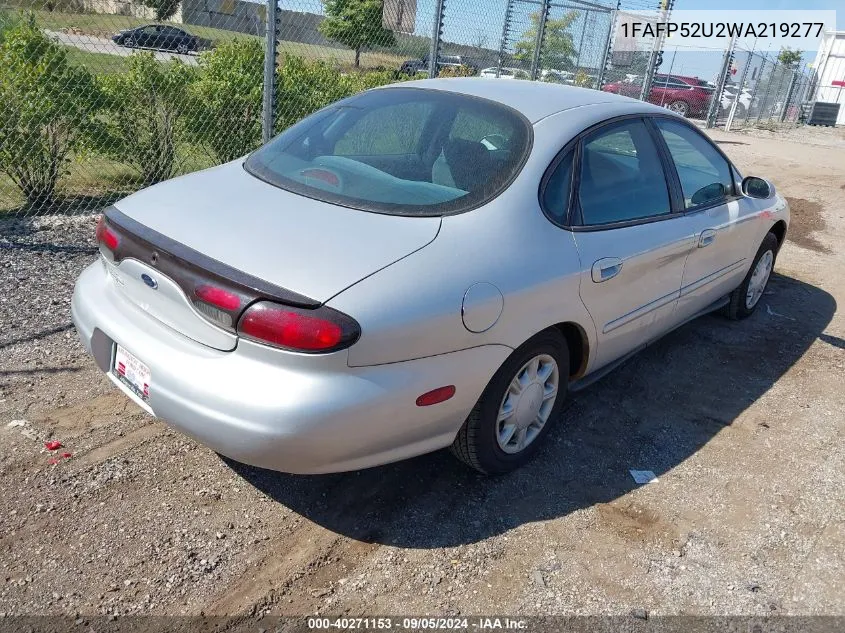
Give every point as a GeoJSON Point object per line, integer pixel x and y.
{"type": "Point", "coordinates": [519, 406]}
{"type": "Point", "coordinates": [745, 299]}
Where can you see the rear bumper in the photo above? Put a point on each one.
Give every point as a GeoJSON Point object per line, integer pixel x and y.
{"type": "Point", "coordinates": [279, 410]}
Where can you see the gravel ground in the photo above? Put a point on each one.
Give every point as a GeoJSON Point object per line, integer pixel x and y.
{"type": "Point", "coordinates": [742, 422]}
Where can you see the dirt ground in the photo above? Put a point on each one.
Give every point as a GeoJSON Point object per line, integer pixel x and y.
{"type": "Point", "coordinates": [742, 422]}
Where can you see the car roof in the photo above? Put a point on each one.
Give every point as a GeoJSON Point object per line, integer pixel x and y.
{"type": "Point", "coordinates": [534, 99]}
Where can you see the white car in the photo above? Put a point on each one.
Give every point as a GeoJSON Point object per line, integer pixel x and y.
{"type": "Point", "coordinates": [504, 73]}
{"type": "Point", "coordinates": [729, 94]}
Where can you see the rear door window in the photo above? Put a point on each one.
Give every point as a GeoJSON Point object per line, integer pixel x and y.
{"type": "Point", "coordinates": [622, 178]}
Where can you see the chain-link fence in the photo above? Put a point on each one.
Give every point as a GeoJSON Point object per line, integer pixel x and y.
{"type": "Point", "coordinates": [99, 98]}
{"type": "Point", "coordinates": [758, 91]}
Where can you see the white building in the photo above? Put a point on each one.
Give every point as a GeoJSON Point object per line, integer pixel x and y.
{"type": "Point", "coordinates": [829, 67]}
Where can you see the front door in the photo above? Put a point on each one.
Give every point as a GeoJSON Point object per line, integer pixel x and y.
{"type": "Point", "coordinates": [718, 262]}
{"type": "Point", "coordinates": [631, 244]}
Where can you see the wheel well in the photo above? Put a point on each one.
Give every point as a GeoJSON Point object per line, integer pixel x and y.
{"type": "Point", "coordinates": [779, 231]}
{"type": "Point", "coordinates": [579, 347]}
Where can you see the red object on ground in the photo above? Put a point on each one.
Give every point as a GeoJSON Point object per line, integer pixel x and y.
{"type": "Point", "coordinates": [52, 445]}
{"type": "Point", "coordinates": [67, 455]}
{"type": "Point", "coordinates": [52, 461]}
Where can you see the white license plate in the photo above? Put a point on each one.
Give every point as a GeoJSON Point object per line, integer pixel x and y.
{"type": "Point", "coordinates": [132, 373]}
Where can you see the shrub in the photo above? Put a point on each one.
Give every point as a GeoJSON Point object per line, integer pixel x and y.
{"type": "Point", "coordinates": [45, 110]}
{"type": "Point", "coordinates": [225, 112]}
{"type": "Point", "coordinates": [146, 106]}
{"type": "Point", "coordinates": [306, 86]}
{"type": "Point", "coordinates": [456, 71]}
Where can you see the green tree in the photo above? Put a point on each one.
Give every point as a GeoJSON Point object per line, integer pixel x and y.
{"type": "Point", "coordinates": [788, 57]}
{"type": "Point", "coordinates": [146, 107]}
{"type": "Point", "coordinates": [225, 115]}
{"type": "Point", "coordinates": [46, 106]}
{"type": "Point", "coordinates": [356, 24]}
{"type": "Point", "coordinates": [558, 46]}
{"type": "Point", "coordinates": [164, 9]}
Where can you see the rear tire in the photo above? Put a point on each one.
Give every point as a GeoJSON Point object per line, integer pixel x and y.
{"type": "Point", "coordinates": [513, 415]}
{"type": "Point", "coordinates": [680, 107]}
{"type": "Point", "coordinates": [745, 299]}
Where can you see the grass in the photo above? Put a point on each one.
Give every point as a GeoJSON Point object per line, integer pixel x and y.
{"type": "Point", "coordinates": [103, 25]}
{"type": "Point", "coordinates": [94, 181]}
{"type": "Point", "coordinates": [98, 63]}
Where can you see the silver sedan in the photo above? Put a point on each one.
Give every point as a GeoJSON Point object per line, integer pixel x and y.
{"type": "Point", "coordinates": [424, 265]}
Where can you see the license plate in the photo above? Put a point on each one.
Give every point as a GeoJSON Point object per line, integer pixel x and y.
{"type": "Point", "coordinates": [132, 373]}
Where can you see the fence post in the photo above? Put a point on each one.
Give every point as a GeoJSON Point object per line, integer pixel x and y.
{"type": "Point", "coordinates": [268, 118]}
{"type": "Point", "coordinates": [766, 94]}
{"type": "Point", "coordinates": [735, 104]}
{"type": "Point", "coordinates": [436, 33]}
{"type": "Point", "coordinates": [581, 40]}
{"type": "Point", "coordinates": [541, 34]}
{"type": "Point", "coordinates": [506, 27]}
{"type": "Point", "coordinates": [754, 92]}
{"type": "Point", "coordinates": [788, 98]}
{"type": "Point", "coordinates": [656, 50]}
{"type": "Point", "coordinates": [716, 101]}
{"type": "Point", "coordinates": [608, 49]}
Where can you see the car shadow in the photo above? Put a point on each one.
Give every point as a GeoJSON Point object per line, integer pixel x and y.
{"type": "Point", "coordinates": [651, 414]}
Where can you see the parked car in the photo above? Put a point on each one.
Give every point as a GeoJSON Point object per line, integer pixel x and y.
{"type": "Point", "coordinates": [413, 66]}
{"type": "Point", "coordinates": [505, 73]}
{"type": "Point", "coordinates": [159, 37]}
{"type": "Point", "coordinates": [378, 296]}
{"type": "Point", "coordinates": [688, 96]}
{"type": "Point", "coordinates": [729, 95]}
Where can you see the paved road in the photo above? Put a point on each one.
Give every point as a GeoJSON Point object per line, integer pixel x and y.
{"type": "Point", "coordinates": [101, 45]}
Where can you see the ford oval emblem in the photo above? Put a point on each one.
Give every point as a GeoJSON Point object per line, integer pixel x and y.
{"type": "Point", "coordinates": [152, 283]}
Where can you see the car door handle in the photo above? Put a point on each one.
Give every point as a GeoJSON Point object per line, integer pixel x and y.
{"type": "Point", "coordinates": [708, 236]}
{"type": "Point", "coordinates": [606, 268]}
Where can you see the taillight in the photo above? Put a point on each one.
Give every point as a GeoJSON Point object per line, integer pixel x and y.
{"type": "Point", "coordinates": [320, 330]}
{"type": "Point", "coordinates": [105, 235]}
{"type": "Point", "coordinates": [218, 297]}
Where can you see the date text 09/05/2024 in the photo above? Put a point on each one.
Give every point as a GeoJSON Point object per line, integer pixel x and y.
{"type": "Point", "coordinates": [419, 623]}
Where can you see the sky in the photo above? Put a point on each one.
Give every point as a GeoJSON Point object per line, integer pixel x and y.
{"type": "Point", "coordinates": [479, 22]}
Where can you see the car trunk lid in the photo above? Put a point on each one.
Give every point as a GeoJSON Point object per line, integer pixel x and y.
{"type": "Point", "coordinates": [234, 239]}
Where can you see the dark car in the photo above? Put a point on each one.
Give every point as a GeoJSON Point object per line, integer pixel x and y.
{"type": "Point", "coordinates": [160, 37]}
{"type": "Point", "coordinates": [688, 96]}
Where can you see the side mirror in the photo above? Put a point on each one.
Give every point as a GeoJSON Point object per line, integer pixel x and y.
{"type": "Point", "coordinates": [754, 187]}
{"type": "Point", "coordinates": [713, 191]}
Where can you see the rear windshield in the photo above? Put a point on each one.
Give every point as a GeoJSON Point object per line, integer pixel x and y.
{"type": "Point", "coordinates": [402, 151]}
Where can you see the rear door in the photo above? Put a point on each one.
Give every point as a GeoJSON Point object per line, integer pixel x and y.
{"type": "Point", "coordinates": [716, 213]}
{"type": "Point", "coordinates": [631, 243]}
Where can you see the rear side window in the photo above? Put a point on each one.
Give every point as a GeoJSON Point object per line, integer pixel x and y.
{"type": "Point", "coordinates": [704, 173]}
{"type": "Point", "coordinates": [556, 192]}
{"type": "Point", "coordinates": [622, 178]}
{"type": "Point", "coordinates": [402, 151]}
